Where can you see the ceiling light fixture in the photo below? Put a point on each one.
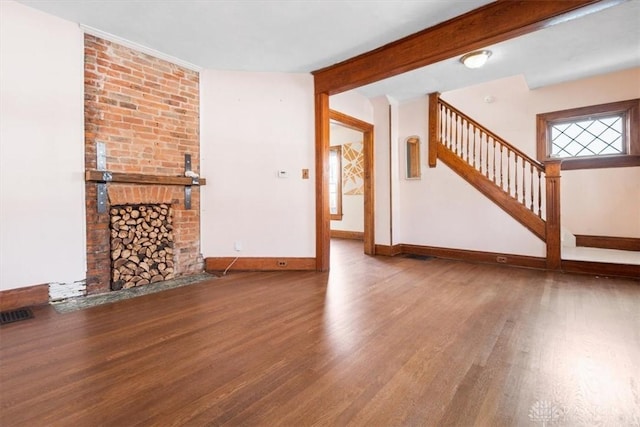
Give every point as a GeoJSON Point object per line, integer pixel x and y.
{"type": "Point", "coordinates": [476, 59]}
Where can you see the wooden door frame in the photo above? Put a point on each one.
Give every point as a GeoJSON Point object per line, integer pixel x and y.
{"type": "Point", "coordinates": [323, 218]}
{"type": "Point", "coordinates": [368, 173]}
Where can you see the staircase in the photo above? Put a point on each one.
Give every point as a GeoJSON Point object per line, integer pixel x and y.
{"type": "Point", "coordinates": [526, 189]}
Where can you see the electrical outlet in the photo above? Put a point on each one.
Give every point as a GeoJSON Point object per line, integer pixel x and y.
{"type": "Point", "coordinates": [237, 245]}
{"type": "Point", "coordinates": [282, 263]}
{"type": "Point", "coordinates": [501, 259]}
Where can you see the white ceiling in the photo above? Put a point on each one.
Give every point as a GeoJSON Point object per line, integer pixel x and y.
{"type": "Point", "coordinates": [305, 35]}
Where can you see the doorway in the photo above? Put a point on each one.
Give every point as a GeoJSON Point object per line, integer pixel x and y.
{"type": "Point", "coordinates": [366, 188]}
{"type": "Point", "coordinates": [346, 182]}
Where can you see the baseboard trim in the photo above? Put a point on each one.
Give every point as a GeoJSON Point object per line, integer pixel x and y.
{"type": "Point", "coordinates": [260, 264]}
{"type": "Point", "coordinates": [608, 242]}
{"type": "Point", "coordinates": [388, 250]}
{"type": "Point", "coordinates": [24, 297]}
{"type": "Point", "coordinates": [344, 234]}
{"type": "Point", "coordinates": [476, 256]}
{"type": "Point", "coordinates": [567, 266]}
{"type": "Point", "coordinates": [601, 269]}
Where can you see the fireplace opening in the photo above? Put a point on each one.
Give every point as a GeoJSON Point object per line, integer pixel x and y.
{"type": "Point", "coordinates": [141, 245]}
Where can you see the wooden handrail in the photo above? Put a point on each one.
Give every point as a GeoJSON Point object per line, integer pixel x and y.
{"type": "Point", "coordinates": [502, 141]}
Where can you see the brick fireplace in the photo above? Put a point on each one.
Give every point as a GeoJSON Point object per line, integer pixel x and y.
{"type": "Point", "coordinates": [146, 113]}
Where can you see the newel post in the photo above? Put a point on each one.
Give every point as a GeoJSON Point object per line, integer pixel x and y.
{"type": "Point", "coordinates": [434, 128]}
{"type": "Point", "coordinates": [552, 180]}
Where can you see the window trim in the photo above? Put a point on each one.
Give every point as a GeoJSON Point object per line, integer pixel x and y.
{"type": "Point", "coordinates": [337, 216]}
{"type": "Point", "coordinates": [630, 110]}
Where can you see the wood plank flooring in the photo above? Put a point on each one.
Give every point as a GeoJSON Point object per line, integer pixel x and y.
{"type": "Point", "coordinates": [377, 342]}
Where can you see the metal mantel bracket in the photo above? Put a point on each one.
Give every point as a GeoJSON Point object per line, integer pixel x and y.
{"type": "Point", "coordinates": [101, 166]}
{"type": "Point", "coordinates": [101, 163]}
{"type": "Point", "coordinates": [187, 188]}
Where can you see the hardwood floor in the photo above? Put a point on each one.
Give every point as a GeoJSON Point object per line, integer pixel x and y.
{"type": "Point", "coordinates": [377, 342]}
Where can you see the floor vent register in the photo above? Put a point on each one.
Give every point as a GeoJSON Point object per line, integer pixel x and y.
{"type": "Point", "coordinates": [15, 315]}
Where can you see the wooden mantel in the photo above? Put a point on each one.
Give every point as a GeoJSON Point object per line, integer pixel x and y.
{"type": "Point", "coordinates": [102, 178]}
{"type": "Point", "coordinates": [138, 178]}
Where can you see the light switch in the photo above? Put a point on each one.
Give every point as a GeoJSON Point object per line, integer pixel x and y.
{"type": "Point", "coordinates": [305, 173]}
{"type": "Point", "coordinates": [283, 174]}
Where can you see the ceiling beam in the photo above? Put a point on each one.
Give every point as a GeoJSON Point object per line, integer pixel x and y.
{"type": "Point", "coordinates": [479, 28]}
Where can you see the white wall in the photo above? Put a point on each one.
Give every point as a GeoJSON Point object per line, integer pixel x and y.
{"type": "Point", "coordinates": [252, 125]}
{"type": "Point", "coordinates": [604, 202]}
{"type": "Point", "coordinates": [352, 204]}
{"type": "Point", "coordinates": [382, 169]}
{"type": "Point", "coordinates": [395, 170]}
{"type": "Point", "coordinates": [42, 215]}
{"type": "Point", "coordinates": [443, 210]}
{"type": "Point", "coordinates": [352, 104]}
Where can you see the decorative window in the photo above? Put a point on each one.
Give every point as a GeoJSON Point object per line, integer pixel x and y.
{"type": "Point", "coordinates": [598, 136]}
{"type": "Point", "coordinates": [335, 182]}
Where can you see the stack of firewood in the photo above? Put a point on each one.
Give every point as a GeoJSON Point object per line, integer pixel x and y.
{"type": "Point", "coordinates": [141, 245]}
